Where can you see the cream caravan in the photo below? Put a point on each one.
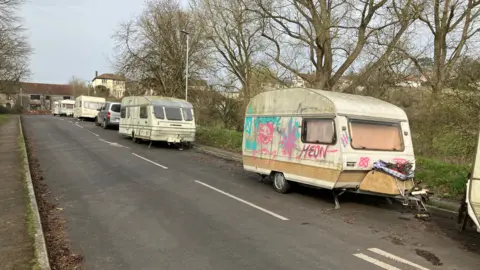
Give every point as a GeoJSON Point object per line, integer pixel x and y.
{"type": "Point", "coordinates": [156, 118]}
{"type": "Point", "coordinates": [55, 108]}
{"type": "Point", "coordinates": [66, 107]}
{"type": "Point", "coordinates": [329, 140]}
{"type": "Point", "coordinates": [86, 107]}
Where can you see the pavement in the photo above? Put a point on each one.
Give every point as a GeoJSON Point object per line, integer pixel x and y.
{"type": "Point", "coordinates": [16, 244]}
{"type": "Point", "coordinates": [132, 207]}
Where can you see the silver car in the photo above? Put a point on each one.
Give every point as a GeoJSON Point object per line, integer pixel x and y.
{"type": "Point", "coordinates": [108, 115]}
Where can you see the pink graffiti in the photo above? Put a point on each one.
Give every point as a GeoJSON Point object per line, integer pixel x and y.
{"type": "Point", "coordinates": [265, 133]}
{"type": "Point", "coordinates": [364, 162]}
{"type": "Point", "coordinates": [400, 160]}
{"type": "Point", "coordinates": [310, 151]}
{"type": "Point", "coordinates": [265, 153]}
{"type": "Point", "coordinates": [289, 138]}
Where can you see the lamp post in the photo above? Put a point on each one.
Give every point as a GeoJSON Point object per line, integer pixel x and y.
{"type": "Point", "coordinates": [186, 64]}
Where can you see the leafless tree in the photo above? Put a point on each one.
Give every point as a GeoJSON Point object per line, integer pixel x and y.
{"type": "Point", "coordinates": [79, 87]}
{"type": "Point", "coordinates": [14, 49]}
{"type": "Point", "coordinates": [151, 48]}
{"type": "Point", "coordinates": [452, 24]}
{"type": "Point", "coordinates": [234, 32]}
{"type": "Point", "coordinates": [332, 34]}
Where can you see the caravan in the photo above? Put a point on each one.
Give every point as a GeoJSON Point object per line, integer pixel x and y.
{"type": "Point", "coordinates": [329, 140]}
{"type": "Point", "coordinates": [86, 107]}
{"type": "Point", "coordinates": [55, 108]}
{"type": "Point", "coordinates": [156, 118]}
{"type": "Point", "coordinates": [66, 107]}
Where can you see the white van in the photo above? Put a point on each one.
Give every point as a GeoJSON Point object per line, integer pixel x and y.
{"type": "Point", "coordinates": [55, 107]}
{"type": "Point", "coordinates": [86, 107]}
{"type": "Point", "coordinates": [66, 107]}
{"type": "Point", "coordinates": [329, 140]}
{"type": "Point", "coordinates": [156, 118]}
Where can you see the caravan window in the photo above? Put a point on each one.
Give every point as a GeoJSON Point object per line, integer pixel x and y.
{"type": "Point", "coordinates": [92, 105]}
{"type": "Point", "coordinates": [187, 114]}
{"type": "Point", "coordinates": [143, 112]}
{"type": "Point", "coordinates": [370, 135]}
{"type": "Point", "coordinates": [123, 112]}
{"type": "Point", "coordinates": [69, 106]}
{"type": "Point", "coordinates": [173, 114]}
{"type": "Point", "coordinates": [318, 130]}
{"type": "Point", "coordinates": [158, 111]}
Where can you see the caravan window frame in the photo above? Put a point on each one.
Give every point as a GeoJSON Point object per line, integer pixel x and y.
{"type": "Point", "coordinates": [160, 109]}
{"type": "Point", "coordinates": [190, 111]}
{"type": "Point", "coordinates": [123, 112]}
{"type": "Point", "coordinates": [304, 132]}
{"type": "Point", "coordinates": [175, 108]}
{"type": "Point", "coordinates": [143, 112]}
{"type": "Point", "coordinates": [379, 123]}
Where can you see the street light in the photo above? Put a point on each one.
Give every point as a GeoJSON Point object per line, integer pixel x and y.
{"type": "Point", "coordinates": [186, 65]}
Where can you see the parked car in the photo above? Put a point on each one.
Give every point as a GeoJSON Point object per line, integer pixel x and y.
{"type": "Point", "coordinates": [108, 115]}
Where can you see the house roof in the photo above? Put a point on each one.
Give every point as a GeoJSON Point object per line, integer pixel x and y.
{"type": "Point", "coordinates": [110, 76]}
{"type": "Point", "coordinates": [44, 88]}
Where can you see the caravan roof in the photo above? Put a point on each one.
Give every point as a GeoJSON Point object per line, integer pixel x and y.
{"type": "Point", "coordinates": [305, 101]}
{"type": "Point", "coordinates": [157, 100]}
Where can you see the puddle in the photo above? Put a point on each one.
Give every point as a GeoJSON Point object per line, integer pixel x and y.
{"type": "Point", "coordinates": [427, 255]}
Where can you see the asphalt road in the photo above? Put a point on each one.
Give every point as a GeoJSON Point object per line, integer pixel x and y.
{"type": "Point", "coordinates": [131, 207]}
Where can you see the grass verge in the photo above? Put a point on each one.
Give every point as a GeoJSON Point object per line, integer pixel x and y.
{"type": "Point", "coordinates": [3, 118]}
{"type": "Point", "coordinates": [29, 217]}
{"type": "Point", "coordinates": [444, 179]}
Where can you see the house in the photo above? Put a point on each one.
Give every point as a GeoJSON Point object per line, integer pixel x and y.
{"type": "Point", "coordinates": [40, 96]}
{"type": "Point", "coordinates": [34, 96]}
{"type": "Point", "coordinates": [114, 83]}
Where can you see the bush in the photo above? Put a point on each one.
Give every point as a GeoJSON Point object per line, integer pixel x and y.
{"type": "Point", "coordinates": [4, 110]}
{"type": "Point", "coordinates": [221, 138]}
{"type": "Point", "coordinates": [444, 179]}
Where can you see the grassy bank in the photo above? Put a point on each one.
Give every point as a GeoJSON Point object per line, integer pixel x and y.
{"type": "Point", "coordinates": [3, 118]}
{"type": "Point", "coordinates": [444, 179]}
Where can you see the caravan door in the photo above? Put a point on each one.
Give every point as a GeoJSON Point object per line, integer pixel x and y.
{"type": "Point", "coordinates": [473, 190]}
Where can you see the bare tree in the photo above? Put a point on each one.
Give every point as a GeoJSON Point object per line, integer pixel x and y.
{"type": "Point", "coordinates": [14, 49]}
{"type": "Point", "coordinates": [79, 87]}
{"type": "Point", "coordinates": [151, 48]}
{"type": "Point", "coordinates": [452, 24]}
{"type": "Point", "coordinates": [234, 32]}
{"type": "Point", "coordinates": [332, 34]}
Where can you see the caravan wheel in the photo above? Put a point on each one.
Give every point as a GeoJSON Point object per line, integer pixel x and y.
{"type": "Point", "coordinates": [280, 184]}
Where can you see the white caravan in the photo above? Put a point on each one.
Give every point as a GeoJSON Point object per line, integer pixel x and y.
{"type": "Point", "coordinates": [87, 107]}
{"type": "Point", "coordinates": [330, 140]}
{"type": "Point", "coordinates": [66, 107]}
{"type": "Point", "coordinates": [55, 108]}
{"type": "Point", "coordinates": [156, 118]}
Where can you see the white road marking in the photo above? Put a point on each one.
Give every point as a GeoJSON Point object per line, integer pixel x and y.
{"type": "Point", "coordinates": [76, 124]}
{"type": "Point", "coordinates": [153, 162]}
{"type": "Point", "coordinates": [396, 258]}
{"type": "Point", "coordinates": [375, 262]}
{"type": "Point", "coordinates": [243, 201]}
{"type": "Point", "coordinates": [93, 133]}
{"type": "Point", "coordinates": [113, 143]}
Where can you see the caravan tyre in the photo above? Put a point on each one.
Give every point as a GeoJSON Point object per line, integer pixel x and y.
{"type": "Point", "coordinates": [280, 184]}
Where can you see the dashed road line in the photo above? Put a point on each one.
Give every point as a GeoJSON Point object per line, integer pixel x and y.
{"type": "Point", "coordinates": [396, 258]}
{"type": "Point", "coordinates": [76, 124]}
{"type": "Point", "coordinates": [243, 201]}
{"type": "Point", "coordinates": [153, 162]}
{"type": "Point", "coordinates": [388, 256]}
{"type": "Point", "coordinates": [375, 262]}
{"type": "Point", "coordinates": [93, 133]}
{"type": "Point", "coordinates": [113, 143]}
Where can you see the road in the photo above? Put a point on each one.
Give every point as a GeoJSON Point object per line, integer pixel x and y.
{"type": "Point", "coordinates": [131, 207]}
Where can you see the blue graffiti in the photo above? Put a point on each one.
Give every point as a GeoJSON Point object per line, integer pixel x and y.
{"type": "Point", "coordinates": [264, 120]}
{"type": "Point", "coordinates": [247, 127]}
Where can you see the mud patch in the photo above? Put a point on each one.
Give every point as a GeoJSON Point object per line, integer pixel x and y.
{"type": "Point", "coordinates": [60, 254]}
{"type": "Point", "coordinates": [395, 240]}
{"type": "Point", "coordinates": [427, 255]}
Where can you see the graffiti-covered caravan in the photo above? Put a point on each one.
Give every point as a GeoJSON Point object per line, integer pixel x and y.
{"type": "Point", "coordinates": [325, 139]}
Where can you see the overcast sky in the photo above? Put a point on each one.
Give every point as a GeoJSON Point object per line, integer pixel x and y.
{"type": "Point", "coordinates": [72, 37]}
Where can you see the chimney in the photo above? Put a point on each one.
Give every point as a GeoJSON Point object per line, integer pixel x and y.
{"type": "Point", "coordinates": [96, 74]}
